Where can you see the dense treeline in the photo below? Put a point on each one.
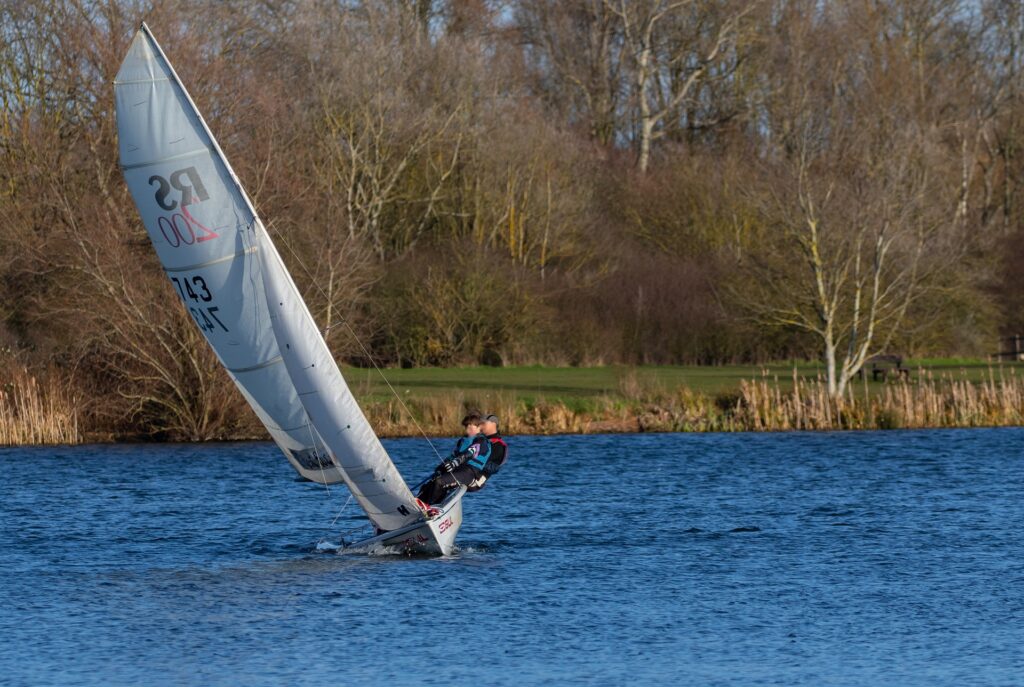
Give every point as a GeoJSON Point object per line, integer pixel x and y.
{"type": "Point", "coordinates": [587, 182]}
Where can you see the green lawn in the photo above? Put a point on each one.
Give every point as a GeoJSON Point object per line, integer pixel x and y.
{"type": "Point", "coordinates": [578, 383]}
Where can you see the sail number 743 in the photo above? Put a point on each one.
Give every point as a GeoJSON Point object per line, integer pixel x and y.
{"type": "Point", "coordinates": [194, 289]}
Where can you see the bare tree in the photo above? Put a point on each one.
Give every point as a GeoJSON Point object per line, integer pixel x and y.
{"type": "Point", "coordinates": [851, 240]}
{"type": "Point", "coordinates": [665, 73]}
{"type": "Point", "coordinates": [1005, 28]}
{"type": "Point", "coordinates": [523, 192]}
{"type": "Point", "coordinates": [391, 130]}
{"type": "Point", "coordinates": [576, 51]}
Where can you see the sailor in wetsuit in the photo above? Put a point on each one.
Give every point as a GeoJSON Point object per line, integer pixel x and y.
{"type": "Point", "coordinates": [465, 465]}
{"type": "Point", "coordinates": [499, 451]}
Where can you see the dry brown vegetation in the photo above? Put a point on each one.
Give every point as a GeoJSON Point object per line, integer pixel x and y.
{"type": "Point", "coordinates": [534, 181]}
{"type": "Point", "coordinates": [760, 405]}
{"type": "Point", "coordinates": [947, 401]}
{"type": "Point", "coordinates": [36, 413]}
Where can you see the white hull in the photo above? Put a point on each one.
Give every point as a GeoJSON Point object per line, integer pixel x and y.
{"type": "Point", "coordinates": [434, 536]}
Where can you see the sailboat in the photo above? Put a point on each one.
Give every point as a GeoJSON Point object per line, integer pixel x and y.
{"type": "Point", "coordinates": [225, 269]}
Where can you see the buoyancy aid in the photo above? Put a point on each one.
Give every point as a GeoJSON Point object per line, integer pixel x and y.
{"type": "Point", "coordinates": [478, 450]}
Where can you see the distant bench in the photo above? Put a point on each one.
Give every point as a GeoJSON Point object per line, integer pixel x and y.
{"type": "Point", "coordinates": [882, 366]}
{"type": "Point", "coordinates": [1014, 348]}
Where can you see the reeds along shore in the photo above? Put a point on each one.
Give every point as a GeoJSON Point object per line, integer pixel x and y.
{"type": "Point", "coordinates": [926, 402]}
{"type": "Point", "coordinates": [42, 412]}
{"type": "Point", "coordinates": [34, 412]}
{"type": "Point", "coordinates": [759, 405]}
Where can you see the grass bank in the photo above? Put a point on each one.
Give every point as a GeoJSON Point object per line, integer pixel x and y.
{"type": "Point", "coordinates": [568, 384]}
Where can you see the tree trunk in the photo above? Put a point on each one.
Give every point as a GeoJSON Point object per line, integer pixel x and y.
{"type": "Point", "coordinates": [830, 367]}
{"type": "Point", "coordinates": [647, 117]}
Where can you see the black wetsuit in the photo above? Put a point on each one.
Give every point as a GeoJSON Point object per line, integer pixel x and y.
{"type": "Point", "coordinates": [471, 462]}
{"type": "Point", "coordinates": [499, 451]}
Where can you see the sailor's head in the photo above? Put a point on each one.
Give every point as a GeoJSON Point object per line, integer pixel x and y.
{"type": "Point", "coordinates": [490, 424]}
{"type": "Point", "coordinates": [472, 424]}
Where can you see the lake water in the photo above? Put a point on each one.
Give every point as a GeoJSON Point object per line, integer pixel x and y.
{"type": "Point", "coordinates": [868, 558]}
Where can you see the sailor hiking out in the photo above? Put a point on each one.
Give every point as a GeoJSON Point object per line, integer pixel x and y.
{"type": "Point", "coordinates": [499, 452]}
{"type": "Point", "coordinates": [471, 461]}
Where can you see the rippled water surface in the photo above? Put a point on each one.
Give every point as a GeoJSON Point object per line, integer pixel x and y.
{"type": "Point", "coordinates": [797, 559]}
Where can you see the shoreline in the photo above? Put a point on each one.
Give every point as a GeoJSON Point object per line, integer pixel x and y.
{"type": "Point", "coordinates": [594, 428]}
{"type": "Point", "coordinates": [122, 441]}
{"type": "Point", "coordinates": [36, 417]}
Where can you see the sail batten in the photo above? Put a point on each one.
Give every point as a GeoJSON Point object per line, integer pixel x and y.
{"type": "Point", "coordinates": [276, 360]}
{"type": "Point", "coordinates": [226, 258]}
{"type": "Point", "coordinates": [169, 158]}
{"type": "Point", "coordinates": [227, 272]}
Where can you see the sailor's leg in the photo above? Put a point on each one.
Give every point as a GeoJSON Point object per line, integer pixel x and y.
{"type": "Point", "coordinates": [467, 475]}
{"type": "Point", "coordinates": [436, 489]}
{"type": "Point", "coordinates": [428, 490]}
{"type": "Point", "coordinates": [421, 495]}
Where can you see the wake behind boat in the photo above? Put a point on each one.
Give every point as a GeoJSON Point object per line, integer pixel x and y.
{"type": "Point", "coordinates": [229, 275]}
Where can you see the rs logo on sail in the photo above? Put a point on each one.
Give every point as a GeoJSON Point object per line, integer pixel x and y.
{"type": "Point", "coordinates": [191, 191]}
{"type": "Point", "coordinates": [186, 187]}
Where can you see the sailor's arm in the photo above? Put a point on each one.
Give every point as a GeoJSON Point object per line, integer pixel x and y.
{"type": "Point", "coordinates": [479, 447]}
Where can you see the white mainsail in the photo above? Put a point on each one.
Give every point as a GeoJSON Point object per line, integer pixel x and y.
{"type": "Point", "coordinates": [223, 266]}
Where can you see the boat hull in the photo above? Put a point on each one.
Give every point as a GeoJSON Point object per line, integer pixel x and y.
{"type": "Point", "coordinates": [434, 536]}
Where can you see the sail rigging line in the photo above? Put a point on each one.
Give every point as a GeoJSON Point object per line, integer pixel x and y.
{"type": "Point", "coordinates": [341, 535]}
{"type": "Point", "coordinates": [358, 341]}
{"type": "Point", "coordinates": [343, 507]}
{"type": "Point", "coordinates": [344, 533]}
{"type": "Point", "coordinates": [319, 461]}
